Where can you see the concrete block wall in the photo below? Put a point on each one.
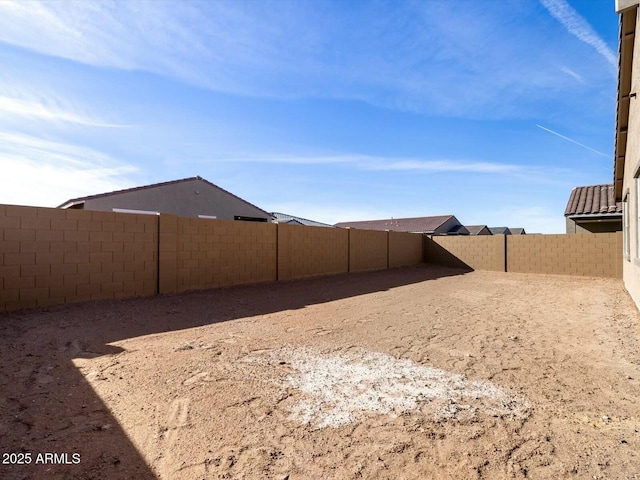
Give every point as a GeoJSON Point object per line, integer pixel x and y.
{"type": "Point", "coordinates": [482, 252]}
{"type": "Point", "coordinates": [168, 231]}
{"type": "Point", "coordinates": [405, 249]}
{"type": "Point", "coordinates": [593, 255]}
{"type": "Point", "coordinates": [216, 253]}
{"type": "Point", "coordinates": [50, 256]}
{"type": "Point", "coordinates": [309, 251]}
{"type": "Point", "coordinates": [368, 250]}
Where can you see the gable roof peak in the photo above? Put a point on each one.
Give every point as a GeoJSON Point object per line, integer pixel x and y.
{"type": "Point", "coordinates": [155, 185]}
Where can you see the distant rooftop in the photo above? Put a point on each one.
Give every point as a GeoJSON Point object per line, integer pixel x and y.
{"type": "Point", "coordinates": [475, 229]}
{"type": "Point", "coordinates": [414, 224]}
{"type": "Point", "coordinates": [500, 230]}
{"type": "Point", "coordinates": [293, 220]}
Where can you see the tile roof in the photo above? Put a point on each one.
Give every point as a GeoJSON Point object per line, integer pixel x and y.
{"type": "Point", "coordinates": [291, 219]}
{"type": "Point", "coordinates": [593, 199]}
{"type": "Point", "coordinates": [154, 185]}
{"type": "Point", "coordinates": [415, 224]}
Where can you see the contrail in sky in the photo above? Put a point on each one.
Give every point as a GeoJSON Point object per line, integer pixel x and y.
{"type": "Point", "coordinates": [576, 25]}
{"type": "Point", "coordinates": [573, 141]}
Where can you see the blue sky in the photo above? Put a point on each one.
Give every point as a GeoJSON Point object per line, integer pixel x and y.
{"type": "Point", "coordinates": [330, 110]}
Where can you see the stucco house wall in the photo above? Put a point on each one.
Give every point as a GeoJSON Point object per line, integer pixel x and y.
{"type": "Point", "coordinates": [184, 198]}
{"type": "Point", "coordinates": [629, 193]}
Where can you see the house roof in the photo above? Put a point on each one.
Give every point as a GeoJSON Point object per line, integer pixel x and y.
{"type": "Point", "coordinates": [626, 41]}
{"type": "Point", "coordinates": [74, 201]}
{"type": "Point", "coordinates": [475, 229]}
{"type": "Point", "coordinates": [500, 230]}
{"type": "Point", "coordinates": [415, 224]}
{"type": "Point", "coordinates": [291, 219]}
{"type": "Point", "coordinates": [457, 230]}
{"type": "Point", "coordinates": [593, 200]}
{"type": "Point", "coordinates": [518, 231]}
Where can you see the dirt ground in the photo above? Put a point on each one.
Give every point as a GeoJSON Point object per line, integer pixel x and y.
{"type": "Point", "coordinates": [413, 373]}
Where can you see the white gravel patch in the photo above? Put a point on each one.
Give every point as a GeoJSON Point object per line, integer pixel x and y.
{"type": "Point", "coordinates": [340, 388]}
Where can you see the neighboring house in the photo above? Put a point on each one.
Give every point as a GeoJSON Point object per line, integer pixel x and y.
{"type": "Point", "coordinates": [500, 230]}
{"type": "Point", "coordinates": [439, 225]}
{"type": "Point", "coordinates": [293, 220]}
{"type": "Point", "coordinates": [189, 197]}
{"type": "Point", "coordinates": [517, 231]}
{"type": "Point", "coordinates": [593, 209]}
{"type": "Point", "coordinates": [626, 169]}
{"type": "Point", "coordinates": [478, 230]}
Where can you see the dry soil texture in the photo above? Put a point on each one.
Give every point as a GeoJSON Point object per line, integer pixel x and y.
{"type": "Point", "coordinates": [405, 374]}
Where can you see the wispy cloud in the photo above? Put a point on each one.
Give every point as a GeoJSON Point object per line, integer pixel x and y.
{"type": "Point", "coordinates": [376, 163]}
{"type": "Point", "coordinates": [573, 74]}
{"type": "Point", "coordinates": [419, 58]}
{"type": "Point", "coordinates": [576, 25]}
{"type": "Point", "coordinates": [42, 111]}
{"type": "Point", "coordinates": [573, 141]}
{"type": "Point", "coordinates": [43, 172]}
{"type": "Point", "coordinates": [444, 166]}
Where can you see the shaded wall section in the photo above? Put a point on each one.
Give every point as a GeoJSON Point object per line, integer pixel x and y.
{"type": "Point", "coordinates": [595, 255]}
{"type": "Point", "coordinates": [484, 252]}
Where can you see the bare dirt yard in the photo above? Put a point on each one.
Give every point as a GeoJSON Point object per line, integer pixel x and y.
{"type": "Point", "coordinates": [417, 373]}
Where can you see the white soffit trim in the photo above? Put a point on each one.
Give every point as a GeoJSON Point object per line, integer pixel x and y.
{"type": "Point", "coordinates": [624, 4]}
{"type": "Point", "coordinates": [140, 212]}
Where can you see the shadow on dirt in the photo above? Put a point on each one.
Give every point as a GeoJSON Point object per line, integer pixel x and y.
{"type": "Point", "coordinates": [46, 404]}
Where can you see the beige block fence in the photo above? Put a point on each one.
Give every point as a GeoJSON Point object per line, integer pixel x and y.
{"type": "Point", "coordinates": [479, 252]}
{"type": "Point", "coordinates": [52, 256]}
{"type": "Point", "coordinates": [593, 255]}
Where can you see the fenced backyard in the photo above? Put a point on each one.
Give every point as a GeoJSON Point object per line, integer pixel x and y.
{"type": "Point", "coordinates": [418, 372]}
{"type": "Point", "coordinates": [53, 256]}
{"type": "Point", "coordinates": [391, 355]}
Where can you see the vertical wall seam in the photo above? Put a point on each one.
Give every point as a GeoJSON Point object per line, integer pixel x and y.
{"type": "Point", "coordinates": [158, 255]}
{"type": "Point", "coordinates": [348, 250]}
{"type": "Point", "coordinates": [424, 253]}
{"type": "Point", "coordinates": [277, 252]}
{"type": "Point", "coordinates": [505, 254]}
{"type": "Point", "coordinates": [388, 247]}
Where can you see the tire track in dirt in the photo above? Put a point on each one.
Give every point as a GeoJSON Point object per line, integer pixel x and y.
{"type": "Point", "coordinates": [170, 432]}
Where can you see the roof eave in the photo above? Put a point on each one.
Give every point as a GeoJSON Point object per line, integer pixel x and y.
{"type": "Point", "coordinates": [585, 216]}
{"type": "Point", "coordinates": [625, 60]}
{"type": "Point", "coordinates": [71, 203]}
